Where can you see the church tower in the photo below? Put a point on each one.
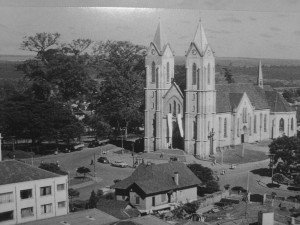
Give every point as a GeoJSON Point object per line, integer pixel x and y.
{"type": "Point", "coordinates": [200, 96]}
{"type": "Point", "coordinates": [260, 80]}
{"type": "Point", "coordinates": [159, 63]}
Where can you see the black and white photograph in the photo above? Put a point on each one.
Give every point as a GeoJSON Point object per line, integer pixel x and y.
{"type": "Point", "coordinates": [150, 112]}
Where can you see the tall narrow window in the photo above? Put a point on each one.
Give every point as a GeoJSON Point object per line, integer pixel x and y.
{"type": "Point", "coordinates": [170, 108]}
{"type": "Point", "coordinates": [153, 72]}
{"type": "Point", "coordinates": [250, 126]}
{"type": "Point", "coordinates": [238, 128]}
{"type": "Point", "coordinates": [168, 72]}
{"type": "Point", "coordinates": [281, 125]}
{"type": "Point", "coordinates": [255, 122]}
{"type": "Point", "coordinates": [174, 109]}
{"type": "Point", "coordinates": [178, 108]}
{"type": "Point", "coordinates": [225, 127]}
{"type": "Point", "coordinates": [195, 130]}
{"type": "Point", "coordinates": [208, 74]}
{"type": "Point", "coordinates": [265, 123]}
{"type": "Point", "coordinates": [194, 74]}
{"type": "Point", "coordinates": [220, 126]}
{"type": "Point", "coordinates": [292, 124]}
{"type": "Point", "coordinates": [260, 120]}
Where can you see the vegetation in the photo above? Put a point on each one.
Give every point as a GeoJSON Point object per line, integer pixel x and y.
{"type": "Point", "coordinates": [52, 167]}
{"type": "Point", "coordinates": [83, 170]}
{"type": "Point", "coordinates": [228, 75]}
{"type": "Point", "coordinates": [93, 200]}
{"type": "Point", "coordinates": [72, 193]}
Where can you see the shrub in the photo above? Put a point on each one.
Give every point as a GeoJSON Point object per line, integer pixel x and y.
{"type": "Point", "coordinates": [270, 185]}
{"type": "Point", "coordinates": [83, 170]}
{"type": "Point", "coordinates": [297, 180]}
{"type": "Point", "coordinates": [191, 207]}
{"type": "Point", "coordinates": [52, 167]}
{"type": "Point", "coordinates": [227, 186]}
{"type": "Point", "coordinates": [278, 178]}
{"type": "Point", "coordinates": [239, 188]}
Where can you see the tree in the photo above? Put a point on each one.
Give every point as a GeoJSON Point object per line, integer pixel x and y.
{"type": "Point", "coordinates": [205, 174]}
{"type": "Point", "coordinates": [52, 167]}
{"type": "Point", "coordinates": [288, 95]}
{"type": "Point", "coordinates": [83, 170]}
{"type": "Point", "coordinates": [93, 200]}
{"type": "Point", "coordinates": [227, 186]}
{"type": "Point", "coordinates": [278, 178]}
{"type": "Point", "coordinates": [72, 193]}
{"type": "Point", "coordinates": [297, 180]}
{"type": "Point", "coordinates": [228, 75]}
{"type": "Point", "coordinates": [212, 186]}
{"type": "Point", "coordinates": [77, 46]}
{"type": "Point", "coordinates": [285, 148]}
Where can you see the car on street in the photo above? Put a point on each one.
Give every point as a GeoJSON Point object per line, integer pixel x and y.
{"type": "Point", "coordinates": [173, 158]}
{"type": "Point", "coordinates": [232, 166]}
{"type": "Point", "coordinates": [103, 160]}
{"type": "Point", "coordinates": [119, 164]}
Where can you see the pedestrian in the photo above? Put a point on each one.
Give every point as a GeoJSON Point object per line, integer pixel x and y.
{"type": "Point", "coordinates": [92, 162]}
{"type": "Point", "coordinates": [161, 155]}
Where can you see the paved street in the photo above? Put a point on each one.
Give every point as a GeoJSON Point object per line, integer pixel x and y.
{"type": "Point", "coordinates": [105, 173]}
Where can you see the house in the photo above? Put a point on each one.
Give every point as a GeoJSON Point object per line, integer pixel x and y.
{"type": "Point", "coordinates": [118, 209]}
{"type": "Point", "coordinates": [90, 217]}
{"type": "Point", "coordinates": [29, 193]}
{"type": "Point", "coordinates": [154, 187]}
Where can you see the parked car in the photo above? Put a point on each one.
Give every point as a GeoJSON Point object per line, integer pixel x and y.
{"type": "Point", "coordinates": [103, 160]}
{"type": "Point", "coordinates": [232, 166]}
{"type": "Point", "coordinates": [119, 164]}
{"type": "Point", "coordinates": [173, 158]}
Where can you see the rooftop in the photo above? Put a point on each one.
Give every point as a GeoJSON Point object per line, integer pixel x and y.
{"type": "Point", "coordinates": [13, 171]}
{"type": "Point", "coordinates": [156, 178]}
{"type": "Point", "coordinates": [143, 220]}
{"type": "Point", "coordinates": [86, 217]}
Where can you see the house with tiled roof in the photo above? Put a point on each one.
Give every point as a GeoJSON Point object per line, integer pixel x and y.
{"type": "Point", "coordinates": [28, 193]}
{"type": "Point", "coordinates": [154, 187]}
{"type": "Point", "coordinates": [208, 116]}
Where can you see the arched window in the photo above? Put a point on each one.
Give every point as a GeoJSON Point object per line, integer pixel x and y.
{"type": "Point", "coordinates": [281, 125]}
{"type": "Point", "coordinates": [194, 77]}
{"type": "Point", "coordinates": [178, 108]}
{"type": "Point", "coordinates": [292, 124]}
{"type": "Point", "coordinates": [168, 72]}
{"type": "Point", "coordinates": [170, 108]}
{"type": "Point", "coordinates": [208, 74]}
{"type": "Point", "coordinates": [255, 124]}
{"type": "Point", "coordinates": [153, 72]}
{"type": "Point", "coordinates": [238, 128]}
{"type": "Point", "coordinates": [265, 123]}
{"type": "Point", "coordinates": [220, 126]}
{"type": "Point", "coordinates": [244, 115]}
{"type": "Point", "coordinates": [250, 120]}
{"type": "Point", "coordinates": [225, 127]}
{"type": "Point", "coordinates": [174, 109]}
{"type": "Point", "coordinates": [260, 120]}
{"type": "Point", "coordinates": [195, 130]}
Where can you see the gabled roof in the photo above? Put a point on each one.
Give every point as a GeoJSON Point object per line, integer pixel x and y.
{"type": "Point", "coordinates": [277, 102]}
{"type": "Point", "coordinates": [159, 178]}
{"type": "Point", "coordinates": [225, 92]}
{"type": "Point", "coordinates": [174, 85]}
{"type": "Point", "coordinates": [13, 171]}
{"type": "Point", "coordinates": [235, 99]}
{"type": "Point", "coordinates": [118, 209]}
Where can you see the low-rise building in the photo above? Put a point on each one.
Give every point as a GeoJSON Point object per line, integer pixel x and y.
{"type": "Point", "coordinates": [29, 193]}
{"type": "Point", "coordinates": [154, 187]}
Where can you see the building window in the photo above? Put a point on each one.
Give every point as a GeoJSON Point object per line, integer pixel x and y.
{"type": "Point", "coordinates": [27, 212]}
{"type": "Point", "coordinates": [244, 115]}
{"type": "Point", "coordinates": [24, 194]}
{"type": "Point", "coordinates": [153, 201]}
{"type": "Point", "coordinates": [208, 74]}
{"type": "Point", "coordinates": [220, 126]}
{"type": "Point", "coordinates": [238, 128]}
{"type": "Point", "coordinates": [61, 204]}
{"type": "Point", "coordinates": [194, 76]}
{"type": "Point", "coordinates": [163, 197]}
{"type": "Point", "coordinates": [195, 130]}
{"type": "Point", "coordinates": [255, 123]}
{"type": "Point", "coordinates": [168, 72]}
{"type": "Point", "coordinates": [250, 127]}
{"type": "Point", "coordinates": [45, 190]}
{"type": "Point", "coordinates": [260, 121]}
{"type": "Point", "coordinates": [194, 97]}
{"type": "Point", "coordinates": [170, 108]}
{"type": "Point", "coordinates": [6, 197]}
{"type": "Point", "coordinates": [225, 127]}
{"type": "Point", "coordinates": [265, 123]}
{"type": "Point", "coordinates": [46, 208]}
{"type": "Point", "coordinates": [137, 200]}
{"type": "Point", "coordinates": [5, 216]}
{"type": "Point", "coordinates": [153, 72]}
{"type": "Point", "coordinates": [292, 124]}
{"type": "Point", "coordinates": [61, 187]}
{"type": "Point", "coordinates": [174, 108]}
{"type": "Point", "coordinates": [178, 108]}
{"type": "Point", "coordinates": [281, 125]}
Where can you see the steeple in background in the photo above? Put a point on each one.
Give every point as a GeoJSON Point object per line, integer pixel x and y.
{"type": "Point", "coordinates": [200, 39]}
{"type": "Point", "coordinates": [159, 39]}
{"type": "Point", "coordinates": [260, 80]}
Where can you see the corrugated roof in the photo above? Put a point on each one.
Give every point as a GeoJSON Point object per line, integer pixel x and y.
{"type": "Point", "coordinates": [159, 178]}
{"type": "Point", "coordinates": [13, 171]}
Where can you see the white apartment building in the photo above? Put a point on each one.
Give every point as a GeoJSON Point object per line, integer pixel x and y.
{"type": "Point", "coordinates": [29, 193]}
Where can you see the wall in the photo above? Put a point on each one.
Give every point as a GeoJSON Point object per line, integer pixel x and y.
{"type": "Point", "coordinates": [36, 200]}
{"type": "Point", "coordinates": [274, 124]}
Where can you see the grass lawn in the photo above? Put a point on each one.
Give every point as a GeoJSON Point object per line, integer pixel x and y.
{"type": "Point", "coordinates": [79, 180]}
{"type": "Point", "coordinates": [234, 156]}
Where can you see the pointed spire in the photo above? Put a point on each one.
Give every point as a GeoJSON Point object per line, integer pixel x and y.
{"type": "Point", "coordinates": [260, 80]}
{"type": "Point", "coordinates": [159, 39]}
{"type": "Point", "coordinates": [200, 39]}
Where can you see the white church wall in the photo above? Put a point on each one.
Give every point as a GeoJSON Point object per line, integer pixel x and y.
{"type": "Point", "coordinates": [223, 139]}
{"type": "Point", "coordinates": [288, 130]}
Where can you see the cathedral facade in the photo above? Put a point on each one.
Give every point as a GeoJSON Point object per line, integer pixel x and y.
{"type": "Point", "coordinates": [207, 116]}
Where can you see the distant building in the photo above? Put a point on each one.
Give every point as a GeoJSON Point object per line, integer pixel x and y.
{"type": "Point", "coordinates": [207, 116]}
{"type": "Point", "coordinates": [154, 187]}
{"type": "Point", "coordinates": [28, 193]}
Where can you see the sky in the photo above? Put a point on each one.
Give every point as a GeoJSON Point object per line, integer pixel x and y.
{"type": "Point", "coordinates": [234, 28]}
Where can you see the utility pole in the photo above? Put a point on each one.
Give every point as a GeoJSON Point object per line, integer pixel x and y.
{"type": "Point", "coordinates": [247, 181]}
{"type": "Point", "coordinates": [94, 164]}
{"type": "Point", "coordinates": [222, 157]}
{"type": "Point", "coordinates": [243, 150]}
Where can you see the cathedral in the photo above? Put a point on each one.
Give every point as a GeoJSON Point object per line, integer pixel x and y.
{"type": "Point", "coordinates": [207, 117]}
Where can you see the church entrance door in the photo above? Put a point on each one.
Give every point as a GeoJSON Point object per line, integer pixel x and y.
{"type": "Point", "coordinates": [177, 140]}
{"type": "Point", "coordinates": [242, 138]}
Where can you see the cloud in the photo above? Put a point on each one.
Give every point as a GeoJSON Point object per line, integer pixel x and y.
{"type": "Point", "coordinates": [266, 35]}
{"type": "Point", "coordinates": [218, 31]}
{"type": "Point", "coordinates": [297, 32]}
{"type": "Point", "coordinates": [230, 20]}
{"type": "Point", "coordinates": [183, 37]}
{"type": "Point", "coordinates": [275, 29]}
{"type": "Point", "coordinates": [282, 15]}
{"type": "Point", "coordinates": [252, 18]}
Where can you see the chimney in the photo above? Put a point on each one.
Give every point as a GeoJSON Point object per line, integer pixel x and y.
{"type": "Point", "coordinates": [176, 178]}
{"type": "Point", "coordinates": [0, 147]}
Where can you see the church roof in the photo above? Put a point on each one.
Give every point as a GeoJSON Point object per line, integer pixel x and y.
{"type": "Point", "coordinates": [160, 40]}
{"type": "Point", "coordinates": [174, 85]}
{"type": "Point", "coordinates": [200, 39]}
{"type": "Point", "coordinates": [229, 96]}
